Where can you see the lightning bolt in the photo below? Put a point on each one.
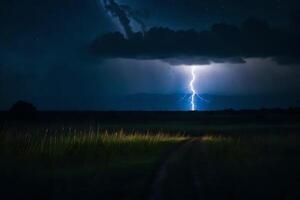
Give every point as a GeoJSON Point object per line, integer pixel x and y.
{"type": "Point", "coordinates": [192, 89]}
{"type": "Point", "coordinates": [193, 93]}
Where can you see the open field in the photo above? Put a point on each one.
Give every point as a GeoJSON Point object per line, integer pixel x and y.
{"type": "Point", "coordinates": [233, 167]}
{"type": "Point", "coordinates": [151, 156]}
{"type": "Point", "coordinates": [80, 165]}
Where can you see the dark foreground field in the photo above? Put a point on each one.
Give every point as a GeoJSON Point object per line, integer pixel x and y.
{"type": "Point", "coordinates": [152, 155]}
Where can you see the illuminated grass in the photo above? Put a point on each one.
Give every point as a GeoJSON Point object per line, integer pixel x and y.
{"type": "Point", "coordinates": [85, 164]}
{"type": "Point", "coordinates": [85, 146]}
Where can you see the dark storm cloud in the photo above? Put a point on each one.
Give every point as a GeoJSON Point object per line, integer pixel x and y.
{"type": "Point", "coordinates": [223, 43]}
{"type": "Point", "coordinates": [116, 10]}
{"type": "Point", "coordinates": [138, 16]}
{"type": "Point", "coordinates": [183, 14]}
{"type": "Point", "coordinates": [202, 60]}
{"type": "Point", "coordinates": [125, 14]}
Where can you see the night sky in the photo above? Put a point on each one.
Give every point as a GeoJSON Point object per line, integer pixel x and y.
{"type": "Point", "coordinates": [137, 55]}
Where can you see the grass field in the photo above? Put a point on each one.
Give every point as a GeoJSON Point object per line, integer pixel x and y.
{"type": "Point", "coordinates": [80, 165]}
{"type": "Point", "coordinates": [260, 167]}
{"type": "Point", "coordinates": [235, 167]}
{"type": "Point", "coordinates": [220, 158]}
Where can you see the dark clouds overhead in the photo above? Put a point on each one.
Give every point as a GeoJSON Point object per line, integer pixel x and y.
{"type": "Point", "coordinates": [184, 14]}
{"type": "Point", "coordinates": [126, 14]}
{"type": "Point", "coordinates": [222, 43]}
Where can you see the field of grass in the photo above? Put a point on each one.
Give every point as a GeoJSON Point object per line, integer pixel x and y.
{"type": "Point", "coordinates": [253, 167]}
{"type": "Point", "coordinates": [80, 165]}
{"type": "Point", "coordinates": [153, 156]}
{"type": "Point", "coordinates": [242, 167]}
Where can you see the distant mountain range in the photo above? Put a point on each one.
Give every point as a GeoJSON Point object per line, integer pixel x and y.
{"type": "Point", "coordinates": [205, 102]}
{"type": "Point", "coordinates": [167, 102]}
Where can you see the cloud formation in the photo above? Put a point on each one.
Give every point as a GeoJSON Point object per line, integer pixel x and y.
{"type": "Point", "coordinates": [222, 43]}
{"type": "Point", "coordinates": [126, 15]}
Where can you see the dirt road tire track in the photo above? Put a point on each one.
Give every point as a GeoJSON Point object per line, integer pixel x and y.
{"type": "Point", "coordinates": [177, 155]}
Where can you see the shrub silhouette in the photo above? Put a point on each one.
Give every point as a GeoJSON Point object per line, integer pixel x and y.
{"type": "Point", "coordinates": [22, 110]}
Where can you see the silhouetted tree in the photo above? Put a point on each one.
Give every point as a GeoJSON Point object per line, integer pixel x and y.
{"type": "Point", "coordinates": [22, 110]}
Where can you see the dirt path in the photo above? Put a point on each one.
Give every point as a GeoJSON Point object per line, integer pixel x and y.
{"type": "Point", "coordinates": [177, 177]}
{"type": "Point", "coordinates": [230, 169]}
